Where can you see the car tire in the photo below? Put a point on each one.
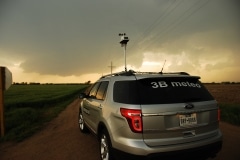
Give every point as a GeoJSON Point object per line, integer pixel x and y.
{"type": "Point", "coordinates": [81, 123]}
{"type": "Point", "coordinates": [105, 146]}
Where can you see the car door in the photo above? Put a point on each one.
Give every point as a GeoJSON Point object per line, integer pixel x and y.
{"type": "Point", "coordinates": [94, 103]}
{"type": "Point", "coordinates": [87, 105]}
{"type": "Point", "coordinates": [97, 104]}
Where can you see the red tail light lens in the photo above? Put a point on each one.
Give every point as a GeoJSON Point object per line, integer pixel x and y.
{"type": "Point", "coordinates": [134, 118]}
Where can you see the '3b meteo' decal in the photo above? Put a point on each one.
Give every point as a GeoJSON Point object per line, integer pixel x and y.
{"type": "Point", "coordinates": [162, 84]}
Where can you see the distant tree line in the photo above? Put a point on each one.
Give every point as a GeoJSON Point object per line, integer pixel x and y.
{"type": "Point", "coordinates": [89, 82]}
{"type": "Point", "coordinates": [225, 82]}
{"type": "Point", "coordinates": [37, 83]}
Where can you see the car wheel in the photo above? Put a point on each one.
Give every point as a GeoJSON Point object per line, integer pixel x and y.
{"type": "Point", "coordinates": [81, 123]}
{"type": "Point", "coordinates": [105, 146]}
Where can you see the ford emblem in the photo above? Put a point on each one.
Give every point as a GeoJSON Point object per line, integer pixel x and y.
{"type": "Point", "coordinates": [189, 106]}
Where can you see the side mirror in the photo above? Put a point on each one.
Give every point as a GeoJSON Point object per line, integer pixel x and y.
{"type": "Point", "coordinates": [82, 95]}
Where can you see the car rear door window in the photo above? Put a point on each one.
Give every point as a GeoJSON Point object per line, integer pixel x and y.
{"type": "Point", "coordinates": [126, 92]}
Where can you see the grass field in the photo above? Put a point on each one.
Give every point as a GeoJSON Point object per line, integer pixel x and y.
{"type": "Point", "coordinates": [228, 97]}
{"type": "Point", "coordinates": [28, 107]}
{"type": "Point", "coordinates": [38, 95]}
{"type": "Point", "coordinates": [225, 93]}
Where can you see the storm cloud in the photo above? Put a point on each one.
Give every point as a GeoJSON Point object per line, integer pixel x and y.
{"type": "Point", "coordinates": [77, 37]}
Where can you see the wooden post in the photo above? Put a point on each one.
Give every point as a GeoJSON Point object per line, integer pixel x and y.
{"type": "Point", "coordinates": [2, 88]}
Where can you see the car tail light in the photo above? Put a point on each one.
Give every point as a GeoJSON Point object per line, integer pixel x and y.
{"type": "Point", "coordinates": [134, 118]}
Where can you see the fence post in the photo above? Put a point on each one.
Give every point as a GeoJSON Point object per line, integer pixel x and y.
{"type": "Point", "coordinates": [2, 118]}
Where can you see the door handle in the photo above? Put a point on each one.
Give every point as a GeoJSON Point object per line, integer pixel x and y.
{"type": "Point", "coordinates": [100, 106]}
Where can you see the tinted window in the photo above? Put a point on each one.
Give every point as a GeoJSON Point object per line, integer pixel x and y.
{"type": "Point", "coordinates": [94, 89]}
{"type": "Point", "coordinates": [125, 92]}
{"type": "Point", "coordinates": [87, 91]}
{"type": "Point", "coordinates": [102, 90]}
{"type": "Point", "coordinates": [160, 91]}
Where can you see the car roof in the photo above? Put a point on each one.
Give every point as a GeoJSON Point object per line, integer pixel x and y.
{"type": "Point", "coordinates": [139, 75]}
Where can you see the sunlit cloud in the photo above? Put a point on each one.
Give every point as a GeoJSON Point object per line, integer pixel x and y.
{"type": "Point", "coordinates": [147, 63]}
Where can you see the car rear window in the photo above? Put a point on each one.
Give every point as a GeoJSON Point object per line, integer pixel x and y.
{"type": "Point", "coordinates": [160, 91]}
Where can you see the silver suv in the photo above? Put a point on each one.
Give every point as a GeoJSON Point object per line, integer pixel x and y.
{"type": "Point", "coordinates": [151, 115]}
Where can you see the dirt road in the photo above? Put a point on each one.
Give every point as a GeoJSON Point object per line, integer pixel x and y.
{"type": "Point", "coordinates": [61, 139]}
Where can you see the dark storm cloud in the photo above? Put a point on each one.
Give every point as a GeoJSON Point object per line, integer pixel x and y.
{"type": "Point", "coordinates": [208, 31]}
{"type": "Point", "coordinates": [186, 18]}
{"type": "Point", "coordinates": [62, 37]}
{"type": "Point", "coordinates": [74, 37]}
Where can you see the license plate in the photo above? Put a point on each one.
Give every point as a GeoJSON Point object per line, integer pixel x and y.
{"type": "Point", "coordinates": [188, 119]}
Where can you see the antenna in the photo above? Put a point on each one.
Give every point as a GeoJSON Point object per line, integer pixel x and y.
{"type": "Point", "coordinates": [123, 42]}
{"type": "Point", "coordinates": [163, 66]}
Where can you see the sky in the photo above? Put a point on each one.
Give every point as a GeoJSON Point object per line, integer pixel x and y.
{"type": "Point", "coordinates": [75, 41]}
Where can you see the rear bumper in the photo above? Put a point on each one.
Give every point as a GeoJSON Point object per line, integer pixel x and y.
{"type": "Point", "coordinates": [198, 153]}
{"type": "Point", "coordinates": [203, 148]}
{"type": "Point", "coordinates": [202, 152]}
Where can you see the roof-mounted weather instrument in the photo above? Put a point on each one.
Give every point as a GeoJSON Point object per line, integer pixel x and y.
{"type": "Point", "coordinates": [124, 40]}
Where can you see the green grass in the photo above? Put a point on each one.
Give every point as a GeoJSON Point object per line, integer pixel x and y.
{"type": "Point", "coordinates": [28, 107]}
{"type": "Point", "coordinates": [230, 113]}
{"type": "Point", "coordinates": [38, 95]}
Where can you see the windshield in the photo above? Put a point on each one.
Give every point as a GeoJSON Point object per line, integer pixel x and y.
{"type": "Point", "coordinates": [160, 91]}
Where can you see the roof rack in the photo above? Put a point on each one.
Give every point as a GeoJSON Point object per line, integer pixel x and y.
{"type": "Point", "coordinates": [123, 73]}
{"type": "Point", "coordinates": [180, 73]}
{"type": "Point", "coordinates": [132, 72]}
